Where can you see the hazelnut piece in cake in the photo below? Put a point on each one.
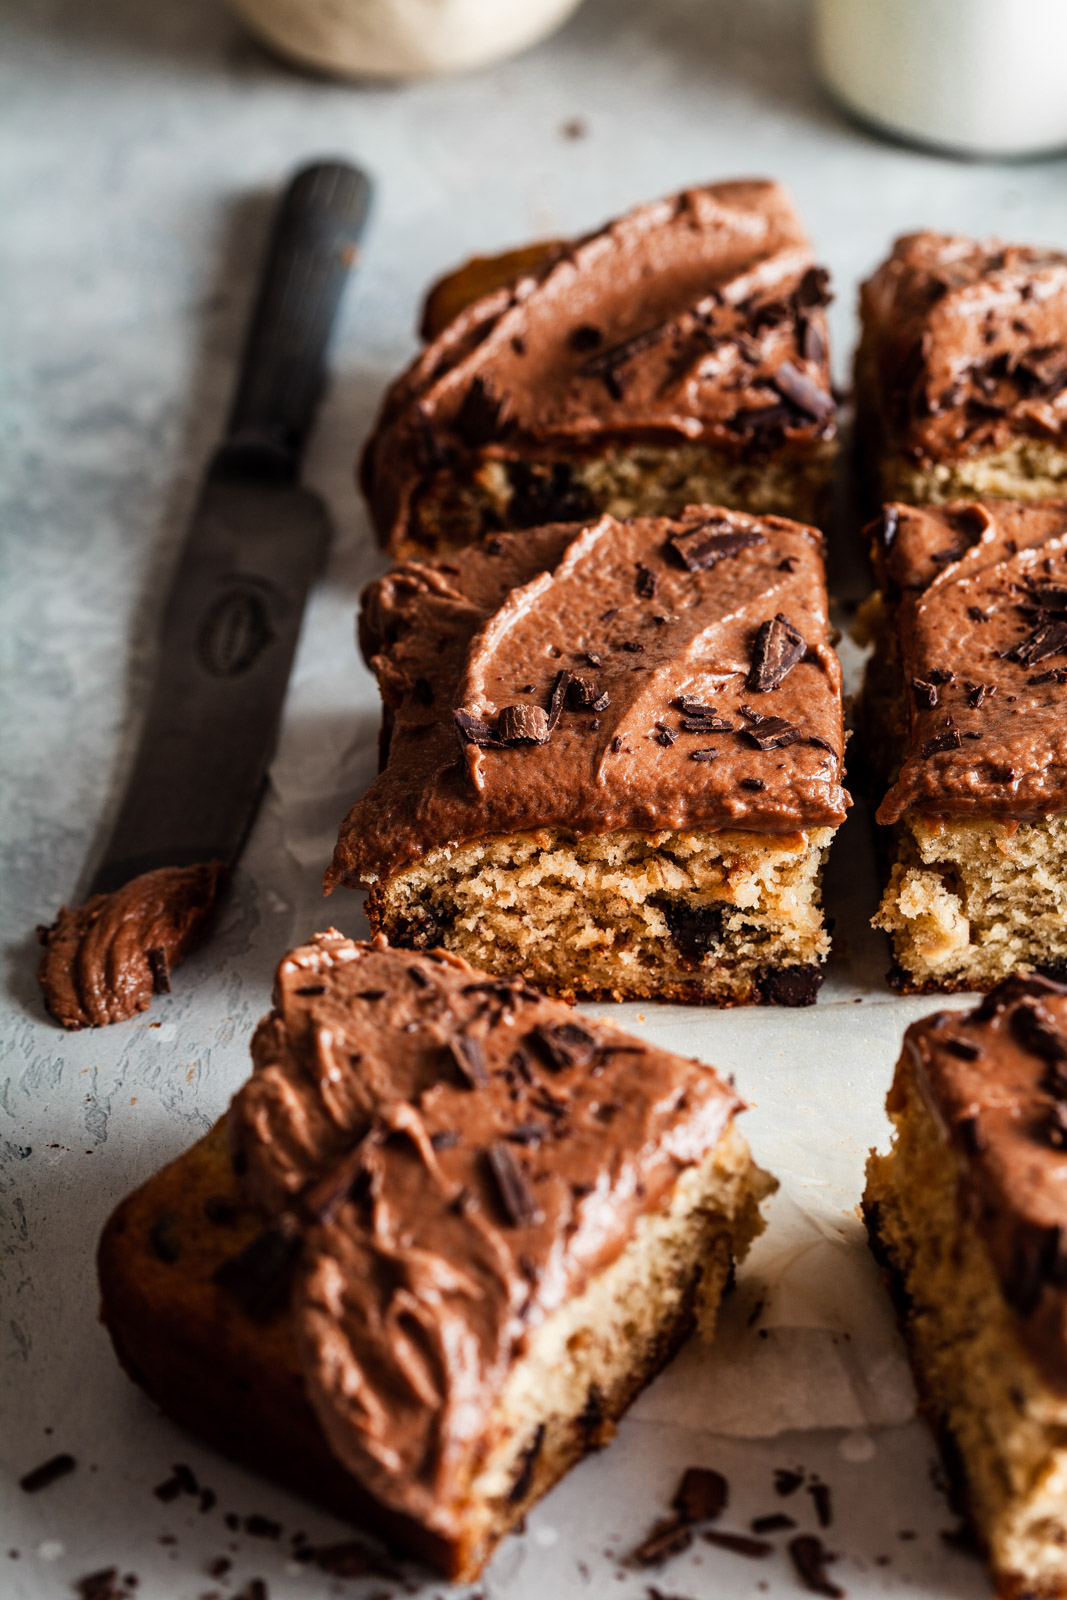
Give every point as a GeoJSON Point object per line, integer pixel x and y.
{"type": "Point", "coordinates": [613, 760]}
{"type": "Point", "coordinates": [678, 355]}
{"type": "Point", "coordinates": [968, 1214]}
{"type": "Point", "coordinates": [965, 714]}
{"type": "Point", "coordinates": [447, 1233]}
{"type": "Point", "coordinates": [961, 373]}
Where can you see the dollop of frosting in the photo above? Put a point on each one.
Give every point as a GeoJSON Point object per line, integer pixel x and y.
{"type": "Point", "coordinates": [462, 1156]}
{"type": "Point", "coordinates": [695, 318]}
{"type": "Point", "coordinates": [995, 1079]}
{"type": "Point", "coordinates": [978, 600]}
{"type": "Point", "coordinates": [967, 342]}
{"type": "Point", "coordinates": [103, 962]}
{"type": "Point", "coordinates": [651, 674]}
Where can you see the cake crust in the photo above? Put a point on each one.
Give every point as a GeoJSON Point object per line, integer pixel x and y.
{"type": "Point", "coordinates": [694, 321]}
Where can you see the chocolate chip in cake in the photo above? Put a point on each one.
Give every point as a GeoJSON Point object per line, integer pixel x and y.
{"type": "Point", "coordinates": [48, 1473]}
{"type": "Point", "coordinates": [696, 929]}
{"type": "Point", "coordinates": [563, 1045]}
{"type": "Point", "coordinates": [924, 694]}
{"type": "Point", "coordinates": [947, 739]}
{"type": "Point", "coordinates": [701, 1496]}
{"type": "Point", "coordinates": [469, 1061]}
{"type": "Point", "coordinates": [522, 724]}
{"type": "Point", "coordinates": [159, 968]}
{"type": "Point", "coordinates": [480, 418]}
{"type": "Point", "coordinates": [163, 1239]}
{"type": "Point", "coordinates": [796, 387]}
{"type": "Point", "coordinates": [779, 645]}
{"type": "Point", "coordinates": [810, 1559]}
{"type": "Point", "coordinates": [516, 1196]}
{"type": "Point", "coordinates": [740, 1544]}
{"type": "Point", "coordinates": [521, 1487]}
{"type": "Point", "coordinates": [789, 986]}
{"type": "Point", "coordinates": [703, 547]}
{"type": "Point", "coordinates": [168, 1490]}
{"type": "Point", "coordinates": [259, 1276]}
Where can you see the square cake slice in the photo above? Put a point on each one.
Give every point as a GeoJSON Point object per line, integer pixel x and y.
{"type": "Point", "coordinates": [968, 1215]}
{"type": "Point", "coordinates": [613, 758]}
{"type": "Point", "coordinates": [677, 355]}
{"type": "Point", "coordinates": [447, 1233]}
{"type": "Point", "coordinates": [966, 714]}
{"type": "Point", "coordinates": [961, 372]}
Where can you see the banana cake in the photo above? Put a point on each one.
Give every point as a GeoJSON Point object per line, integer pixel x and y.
{"type": "Point", "coordinates": [968, 1215]}
{"type": "Point", "coordinates": [612, 758]}
{"type": "Point", "coordinates": [677, 355]}
{"type": "Point", "coordinates": [447, 1232]}
{"type": "Point", "coordinates": [965, 715]}
{"type": "Point", "coordinates": [961, 372]}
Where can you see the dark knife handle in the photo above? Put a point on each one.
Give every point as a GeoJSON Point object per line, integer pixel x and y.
{"type": "Point", "coordinates": [312, 249]}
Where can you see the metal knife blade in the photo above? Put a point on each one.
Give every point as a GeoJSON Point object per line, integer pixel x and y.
{"type": "Point", "coordinates": [256, 541]}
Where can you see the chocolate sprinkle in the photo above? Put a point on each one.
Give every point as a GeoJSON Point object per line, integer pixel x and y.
{"type": "Point", "coordinates": [48, 1473]}
{"type": "Point", "coordinates": [778, 647]}
{"type": "Point", "coordinates": [563, 1044]}
{"type": "Point", "coordinates": [515, 1193]}
{"type": "Point", "coordinates": [787, 1482]}
{"type": "Point", "coordinates": [810, 1558]}
{"type": "Point", "coordinates": [474, 730]}
{"type": "Point", "coordinates": [712, 542]}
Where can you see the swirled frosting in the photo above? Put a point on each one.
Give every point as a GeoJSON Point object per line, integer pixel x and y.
{"type": "Point", "coordinates": [694, 318]}
{"type": "Point", "coordinates": [965, 345]}
{"type": "Point", "coordinates": [103, 962]}
{"type": "Point", "coordinates": [995, 1079]}
{"type": "Point", "coordinates": [978, 599]}
{"type": "Point", "coordinates": [462, 1156]}
{"type": "Point", "coordinates": [669, 673]}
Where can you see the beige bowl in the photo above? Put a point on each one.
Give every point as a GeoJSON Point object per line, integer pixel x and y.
{"type": "Point", "coordinates": [400, 38]}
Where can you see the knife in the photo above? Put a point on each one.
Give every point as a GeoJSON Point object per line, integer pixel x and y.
{"type": "Point", "coordinates": [230, 628]}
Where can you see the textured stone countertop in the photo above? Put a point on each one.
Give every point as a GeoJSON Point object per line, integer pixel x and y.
{"type": "Point", "coordinates": [142, 144]}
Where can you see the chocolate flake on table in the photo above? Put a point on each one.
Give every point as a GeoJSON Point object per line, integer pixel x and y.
{"type": "Point", "coordinates": [563, 1045]}
{"type": "Point", "coordinates": [516, 1196]}
{"type": "Point", "coordinates": [261, 1527]}
{"type": "Point", "coordinates": [469, 1061]}
{"type": "Point", "coordinates": [796, 387]}
{"type": "Point", "coordinates": [701, 1495]}
{"type": "Point", "coordinates": [254, 1589]}
{"type": "Point", "coordinates": [259, 1276]}
{"type": "Point", "coordinates": [789, 986]}
{"type": "Point", "coordinates": [667, 1538]}
{"type": "Point", "coordinates": [773, 1522]}
{"type": "Point", "coordinates": [777, 649]}
{"type": "Point", "coordinates": [741, 1544]}
{"type": "Point", "coordinates": [924, 694]}
{"type": "Point", "coordinates": [48, 1473]}
{"type": "Point", "coordinates": [159, 968]}
{"type": "Point", "coordinates": [810, 1559]}
{"type": "Point", "coordinates": [102, 1585]}
{"type": "Point", "coordinates": [947, 739]}
{"type": "Point", "coordinates": [646, 581]}
{"type": "Point", "coordinates": [824, 1511]}
{"type": "Point", "coordinates": [711, 542]}
{"type": "Point", "coordinates": [521, 1487]}
{"type": "Point", "coordinates": [186, 1478]}
{"type": "Point", "coordinates": [786, 1481]}
{"type": "Point", "coordinates": [523, 724]}
{"type": "Point", "coordinates": [168, 1490]}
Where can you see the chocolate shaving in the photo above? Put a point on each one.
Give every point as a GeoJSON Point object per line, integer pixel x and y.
{"type": "Point", "coordinates": [557, 699]}
{"type": "Point", "coordinates": [796, 387]}
{"type": "Point", "coordinates": [703, 755]}
{"type": "Point", "coordinates": [1033, 1027]}
{"type": "Point", "coordinates": [701, 1495]}
{"type": "Point", "coordinates": [924, 694]}
{"type": "Point", "coordinates": [101, 1585]}
{"type": "Point", "coordinates": [949, 739]}
{"type": "Point", "coordinates": [646, 581]}
{"type": "Point", "coordinates": [563, 1045]}
{"type": "Point", "coordinates": [1048, 639]}
{"type": "Point", "coordinates": [810, 1558]}
{"type": "Point", "coordinates": [773, 733]}
{"type": "Point", "coordinates": [516, 1196]}
{"type": "Point", "coordinates": [474, 730]}
{"type": "Point", "coordinates": [163, 1239]}
{"type": "Point", "coordinates": [777, 649]}
{"type": "Point", "coordinates": [978, 693]}
{"type": "Point", "coordinates": [323, 1198]}
{"type": "Point", "coordinates": [48, 1473]}
{"type": "Point", "coordinates": [703, 547]}
{"type": "Point", "coordinates": [605, 363]}
{"type": "Point", "coordinates": [258, 1277]}
{"type": "Point", "coordinates": [584, 694]}
{"type": "Point", "coordinates": [469, 1060]}
{"type": "Point", "coordinates": [787, 1482]}
{"type": "Point", "coordinates": [523, 724]}
{"type": "Point", "coordinates": [159, 968]}
{"type": "Point", "coordinates": [667, 1538]}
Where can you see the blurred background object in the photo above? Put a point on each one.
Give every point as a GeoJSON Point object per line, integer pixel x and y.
{"type": "Point", "coordinates": [400, 38]}
{"type": "Point", "coordinates": [974, 77]}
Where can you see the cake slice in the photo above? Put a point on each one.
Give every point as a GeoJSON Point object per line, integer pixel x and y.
{"type": "Point", "coordinates": [968, 1215]}
{"type": "Point", "coordinates": [677, 355]}
{"type": "Point", "coordinates": [965, 716]}
{"type": "Point", "coordinates": [447, 1233]}
{"type": "Point", "coordinates": [612, 758]}
{"type": "Point", "coordinates": [961, 372]}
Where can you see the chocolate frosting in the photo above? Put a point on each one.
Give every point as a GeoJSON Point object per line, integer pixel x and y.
{"type": "Point", "coordinates": [695, 318]}
{"type": "Point", "coordinates": [995, 1080]}
{"type": "Point", "coordinates": [656, 687]}
{"type": "Point", "coordinates": [978, 596]}
{"type": "Point", "coordinates": [461, 1156]}
{"type": "Point", "coordinates": [969, 344]}
{"type": "Point", "coordinates": [103, 961]}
